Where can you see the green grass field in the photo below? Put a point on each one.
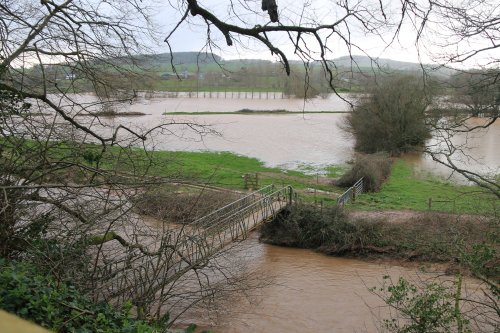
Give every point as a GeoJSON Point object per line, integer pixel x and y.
{"type": "Point", "coordinates": [227, 170]}
{"type": "Point", "coordinates": [406, 189]}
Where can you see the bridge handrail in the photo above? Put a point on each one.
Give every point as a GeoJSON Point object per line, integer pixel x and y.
{"type": "Point", "coordinates": [351, 192]}
{"type": "Point", "coordinates": [193, 246]}
{"type": "Point", "coordinates": [227, 209]}
{"type": "Point", "coordinates": [264, 199]}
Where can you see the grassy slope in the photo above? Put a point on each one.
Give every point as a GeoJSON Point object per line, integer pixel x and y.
{"type": "Point", "coordinates": [403, 190]}
{"type": "Point", "coordinates": [226, 169]}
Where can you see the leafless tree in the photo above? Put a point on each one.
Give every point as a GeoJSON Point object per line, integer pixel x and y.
{"type": "Point", "coordinates": [444, 32]}
{"type": "Point", "coordinates": [67, 177]}
{"type": "Point", "coordinates": [463, 34]}
{"type": "Point", "coordinates": [471, 108]}
{"type": "Point", "coordinates": [311, 35]}
{"type": "Point", "coordinates": [467, 35]}
{"type": "Point", "coordinates": [55, 177]}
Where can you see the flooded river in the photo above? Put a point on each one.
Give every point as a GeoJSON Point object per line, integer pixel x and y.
{"type": "Point", "coordinates": [311, 293]}
{"type": "Point", "coordinates": [308, 292]}
{"type": "Point", "coordinates": [284, 140]}
{"type": "Point", "coordinates": [230, 102]}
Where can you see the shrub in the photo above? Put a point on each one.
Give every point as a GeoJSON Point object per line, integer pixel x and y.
{"type": "Point", "coordinates": [328, 230]}
{"type": "Point", "coordinates": [422, 308]}
{"type": "Point", "coordinates": [433, 237]}
{"type": "Point", "coordinates": [300, 87]}
{"type": "Point", "coordinates": [60, 307]}
{"type": "Point", "coordinates": [374, 169]}
{"type": "Point", "coordinates": [391, 117]}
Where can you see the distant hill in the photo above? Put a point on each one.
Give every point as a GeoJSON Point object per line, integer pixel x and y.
{"type": "Point", "coordinates": [249, 61]}
{"type": "Point", "coordinates": [179, 58]}
{"type": "Point", "coordinates": [208, 61]}
{"type": "Point", "coordinates": [364, 63]}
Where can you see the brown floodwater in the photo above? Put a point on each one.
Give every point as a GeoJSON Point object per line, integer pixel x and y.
{"type": "Point", "coordinates": [294, 140]}
{"type": "Point", "coordinates": [311, 293]}
{"type": "Point", "coordinates": [285, 140]}
{"type": "Point", "coordinates": [302, 291]}
{"type": "Point", "coordinates": [478, 151]}
{"type": "Point", "coordinates": [162, 102]}
{"type": "Point", "coordinates": [306, 292]}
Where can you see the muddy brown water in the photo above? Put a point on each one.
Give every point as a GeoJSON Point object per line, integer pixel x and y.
{"type": "Point", "coordinates": [311, 293]}
{"type": "Point", "coordinates": [294, 141]}
{"type": "Point", "coordinates": [162, 102]}
{"type": "Point", "coordinates": [285, 140]}
{"type": "Point", "coordinates": [308, 292]}
{"type": "Point", "coordinates": [477, 151]}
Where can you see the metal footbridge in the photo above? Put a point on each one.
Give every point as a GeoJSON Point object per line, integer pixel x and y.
{"type": "Point", "coordinates": [189, 247]}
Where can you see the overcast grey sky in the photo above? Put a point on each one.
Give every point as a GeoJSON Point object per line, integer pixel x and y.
{"type": "Point", "coordinates": [192, 35]}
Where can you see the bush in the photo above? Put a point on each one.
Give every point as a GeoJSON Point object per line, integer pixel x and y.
{"type": "Point", "coordinates": [327, 230]}
{"type": "Point", "coordinates": [430, 237]}
{"type": "Point", "coordinates": [391, 117]}
{"type": "Point", "coordinates": [300, 87]}
{"type": "Point", "coordinates": [58, 306]}
{"type": "Point", "coordinates": [422, 308]}
{"type": "Point", "coordinates": [374, 169]}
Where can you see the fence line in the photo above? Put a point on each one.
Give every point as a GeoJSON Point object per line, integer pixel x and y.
{"type": "Point", "coordinates": [216, 94]}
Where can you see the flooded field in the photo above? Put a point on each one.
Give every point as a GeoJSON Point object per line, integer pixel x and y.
{"type": "Point", "coordinates": [307, 291]}
{"type": "Point", "coordinates": [285, 140]}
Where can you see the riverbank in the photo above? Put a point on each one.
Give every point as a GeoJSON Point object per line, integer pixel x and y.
{"type": "Point", "coordinates": [404, 190]}
{"type": "Point", "coordinates": [407, 189]}
{"type": "Point", "coordinates": [420, 238]}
